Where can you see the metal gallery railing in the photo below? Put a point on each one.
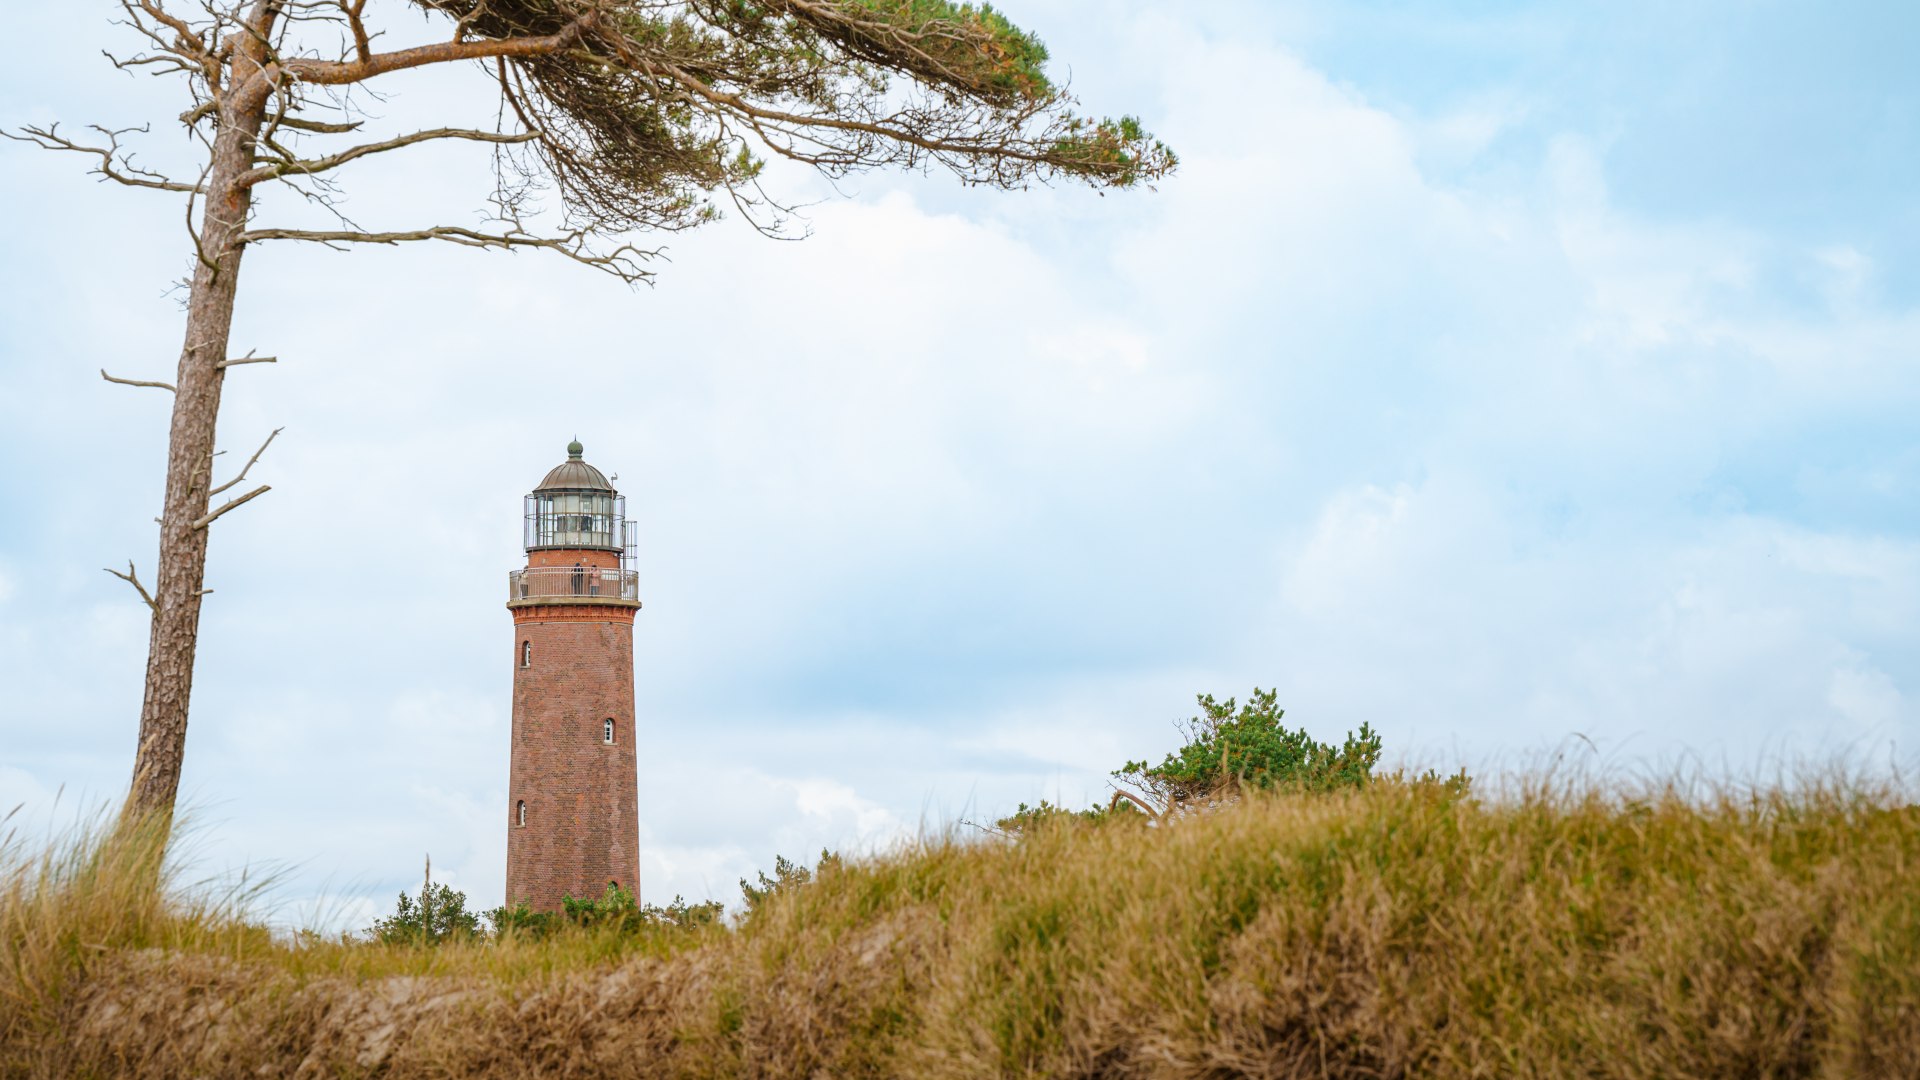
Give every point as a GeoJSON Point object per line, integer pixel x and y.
{"type": "Point", "coordinates": [570, 582]}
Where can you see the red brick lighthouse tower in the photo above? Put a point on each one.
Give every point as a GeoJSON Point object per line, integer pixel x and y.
{"type": "Point", "coordinates": [573, 824]}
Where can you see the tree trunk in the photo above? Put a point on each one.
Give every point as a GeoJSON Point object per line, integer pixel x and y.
{"type": "Point", "coordinates": [196, 410]}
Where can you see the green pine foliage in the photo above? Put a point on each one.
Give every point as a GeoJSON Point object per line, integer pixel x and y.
{"type": "Point", "coordinates": [439, 914]}
{"type": "Point", "coordinates": [1232, 747]}
{"type": "Point", "coordinates": [843, 85]}
{"type": "Point", "coordinates": [1229, 750]}
{"type": "Point", "coordinates": [1047, 814]}
{"type": "Point", "coordinates": [617, 912]}
{"type": "Point", "coordinates": [788, 876]}
{"type": "Point", "coordinates": [1002, 55]}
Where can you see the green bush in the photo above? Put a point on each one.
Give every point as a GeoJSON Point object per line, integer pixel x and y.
{"type": "Point", "coordinates": [1231, 748]}
{"type": "Point", "coordinates": [616, 911]}
{"type": "Point", "coordinates": [787, 876]}
{"type": "Point", "coordinates": [440, 914]}
{"type": "Point", "coordinates": [1030, 817]}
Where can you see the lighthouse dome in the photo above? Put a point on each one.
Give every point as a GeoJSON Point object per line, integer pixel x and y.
{"type": "Point", "coordinates": [574, 474]}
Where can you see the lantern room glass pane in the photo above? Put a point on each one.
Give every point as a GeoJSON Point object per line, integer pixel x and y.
{"type": "Point", "coordinates": [586, 519]}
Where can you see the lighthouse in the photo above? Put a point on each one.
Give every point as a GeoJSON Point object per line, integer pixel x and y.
{"type": "Point", "coordinates": [573, 820]}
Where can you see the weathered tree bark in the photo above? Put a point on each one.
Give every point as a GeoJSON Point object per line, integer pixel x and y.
{"type": "Point", "coordinates": [196, 410]}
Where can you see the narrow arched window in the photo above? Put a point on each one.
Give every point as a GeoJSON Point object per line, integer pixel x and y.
{"type": "Point", "coordinates": [520, 813]}
{"type": "Point", "coordinates": [526, 654]}
{"type": "Point", "coordinates": [607, 730]}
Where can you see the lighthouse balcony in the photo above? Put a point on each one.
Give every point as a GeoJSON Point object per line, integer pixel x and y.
{"type": "Point", "coordinates": [573, 585]}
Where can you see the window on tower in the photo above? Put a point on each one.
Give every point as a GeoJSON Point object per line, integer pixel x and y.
{"type": "Point", "coordinates": [520, 813]}
{"type": "Point", "coordinates": [526, 654]}
{"type": "Point", "coordinates": [607, 731]}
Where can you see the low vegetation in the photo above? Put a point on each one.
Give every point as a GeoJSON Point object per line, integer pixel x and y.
{"type": "Point", "coordinates": [1227, 754]}
{"type": "Point", "coordinates": [1396, 926]}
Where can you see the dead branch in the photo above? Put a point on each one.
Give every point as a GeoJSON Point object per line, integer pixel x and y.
{"type": "Point", "coordinates": [1135, 800]}
{"type": "Point", "coordinates": [167, 64]}
{"type": "Point", "coordinates": [991, 830]}
{"type": "Point", "coordinates": [115, 163]}
{"type": "Point", "coordinates": [168, 387]}
{"type": "Point", "coordinates": [132, 577]}
{"type": "Point", "coordinates": [362, 46]}
{"type": "Point", "coordinates": [309, 166]}
{"type": "Point", "coordinates": [622, 262]}
{"type": "Point", "coordinates": [198, 113]}
{"type": "Point", "coordinates": [230, 504]}
{"type": "Point", "coordinates": [186, 35]}
{"type": "Point", "coordinates": [319, 127]}
{"type": "Point", "coordinates": [193, 234]}
{"type": "Point", "coordinates": [235, 361]}
{"type": "Point", "coordinates": [244, 468]}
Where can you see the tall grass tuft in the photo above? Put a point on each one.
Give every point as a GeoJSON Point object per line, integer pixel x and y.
{"type": "Point", "coordinates": [101, 889]}
{"type": "Point", "coordinates": [1556, 926]}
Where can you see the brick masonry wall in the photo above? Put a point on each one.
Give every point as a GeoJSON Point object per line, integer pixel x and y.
{"type": "Point", "coordinates": [582, 795]}
{"type": "Point", "coordinates": [606, 560]}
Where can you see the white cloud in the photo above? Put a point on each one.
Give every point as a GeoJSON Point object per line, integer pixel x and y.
{"type": "Point", "coordinates": [1356, 549]}
{"type": "Point", "coordinates": [24, 796]}
{"type": "Point", "coordinates": [832, 808]}
{"type": "Point", "coordinates": [1866, 698]}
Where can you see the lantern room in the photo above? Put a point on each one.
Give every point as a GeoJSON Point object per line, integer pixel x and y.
{"type": "Point", "coordinates": [576, 507]}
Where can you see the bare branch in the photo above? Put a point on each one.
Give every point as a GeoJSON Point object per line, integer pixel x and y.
{"type": "Point", "coordinates": [622, 262]}
{"type": "Point", "coordinates": [508, 94]}
{"type": "Point", "coordinates": [132, 577]}
{"type": "Point", "coordinates": [309, 166]}
{"type": "Point", "coordinates": [319, 127]}
{"type": "Point", "coordinates": [168, 64]}
{"type": "Point", "coordinates": [214, 515]}
{"type": "Point", "coordinates": [1118, 794]}
{"type": "Point", "coordinates": [235, 361]}
{"type": "Point", "coordinates": [362, 46]}
{"type": "Point", "coordinates": [248, 465]}
{"type": "Point", "coordinates": [115, 164]}
{"type": "Point", "coordinates": [168, 387]}
{"type": "Point", "coordinates": [991, 830]}
{"type": "Point", "coordinates": [159, 14]}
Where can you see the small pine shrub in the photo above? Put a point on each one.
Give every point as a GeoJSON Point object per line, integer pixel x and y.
{"type": "Point", "coordinates": [440, 914]}
{"type": "Point", "coordinates": [520, 920]}
{"type": "Point", "coordinates": [616, 911]}
{"type": "Point", "coordinates": [1045, 814]}
{"type": "Point", "coordinates": [1231, 748]}
{"type": "Point", "coordinates": [787, 877]}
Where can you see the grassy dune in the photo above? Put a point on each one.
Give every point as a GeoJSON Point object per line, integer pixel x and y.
{"type": "Point", "coordinates": [1564, 929]}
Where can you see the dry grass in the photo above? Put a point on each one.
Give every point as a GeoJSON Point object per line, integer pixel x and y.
{"type": "Point", "coordinates": [1564, 929]}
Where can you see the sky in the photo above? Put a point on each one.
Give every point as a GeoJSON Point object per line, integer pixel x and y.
{"type": "Point", "coordinates": [1509, 377]}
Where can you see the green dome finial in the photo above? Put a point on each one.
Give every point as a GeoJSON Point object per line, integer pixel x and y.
{"type": "Point", "coordinates": [574, 449]}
